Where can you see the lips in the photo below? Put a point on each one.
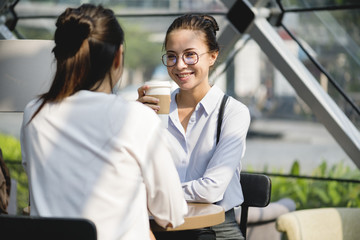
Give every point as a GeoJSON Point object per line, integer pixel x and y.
{"type": "Point", "coordinates": [183, 75]}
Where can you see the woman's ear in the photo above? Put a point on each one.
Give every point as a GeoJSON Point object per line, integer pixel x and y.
{"type": "Point", "coordinates": [118, 60]}
{"type": "Point", "coordinates": [213, 57]}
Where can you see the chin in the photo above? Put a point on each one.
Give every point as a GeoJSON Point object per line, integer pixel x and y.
{"type": "Point", "coordinates": [185, 87]}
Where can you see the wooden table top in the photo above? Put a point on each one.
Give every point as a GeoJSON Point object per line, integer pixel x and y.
{"type": "Point", "coordinates": [200, 215]}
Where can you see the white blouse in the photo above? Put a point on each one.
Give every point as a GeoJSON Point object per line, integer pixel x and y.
{"type": "Point", "coordinates": [210, 173]}
{"type": "Point", "coordinates": [96, 156]}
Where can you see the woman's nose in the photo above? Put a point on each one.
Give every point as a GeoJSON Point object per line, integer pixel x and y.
{"type": "Point", "coordinates": [180, 63]}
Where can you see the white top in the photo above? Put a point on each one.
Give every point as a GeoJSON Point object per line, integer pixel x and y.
{"type": "Point", "coordinates": [210, 173]}
{"type": "Point", "coordinates": [96, 156]}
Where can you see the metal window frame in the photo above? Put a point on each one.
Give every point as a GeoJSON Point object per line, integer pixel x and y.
{"type": "Point", "coordinates": [303, 82]}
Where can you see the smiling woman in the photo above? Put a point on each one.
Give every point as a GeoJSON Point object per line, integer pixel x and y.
{"type": "Point", "coordinates": [209, 172]}
{"type": "Point", "coordinates": [191, 70]}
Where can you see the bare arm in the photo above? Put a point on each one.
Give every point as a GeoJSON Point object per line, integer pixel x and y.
{"type": "Point", "coordinates": [152, 237]}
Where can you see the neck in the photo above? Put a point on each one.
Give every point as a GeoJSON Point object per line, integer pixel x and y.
{"type": "Point", "coordinates": [190, 98]}
{"type": "Point", "coordinates": [105, 86]}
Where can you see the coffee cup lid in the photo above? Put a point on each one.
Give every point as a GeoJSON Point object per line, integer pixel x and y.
{"type": "Point", "coordinates": [158, 83]}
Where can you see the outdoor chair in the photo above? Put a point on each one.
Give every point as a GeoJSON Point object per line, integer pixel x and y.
{"type": "Point", "coordinates": [261, 222]}
{"type": "Point", "coordinates": [320, 223]}
{"type": "Point", "coordinates": [257, 193]}
{"type": "Point", "coordinates": [45, 228]}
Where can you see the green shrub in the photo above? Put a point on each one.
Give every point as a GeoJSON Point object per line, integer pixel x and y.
{"type": "Point", "coordinates": [11, 150]}
{"type": "Point", "coordinates": [315, 193]}
{"type": "Point", "coordinates": [10, 147]}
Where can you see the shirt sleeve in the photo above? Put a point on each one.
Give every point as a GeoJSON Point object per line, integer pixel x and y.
{"type": "Point", "coordinates": [166, 202]}
{"type": "Point", "coordinates": [210, 188]}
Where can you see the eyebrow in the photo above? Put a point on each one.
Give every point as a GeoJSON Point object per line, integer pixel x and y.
{"type": "Point", "coordinates": [186, 50]}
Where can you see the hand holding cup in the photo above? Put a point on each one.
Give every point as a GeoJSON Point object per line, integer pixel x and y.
{"type": "Point", "coordinates": [150, 101]}
{"type": "Point", "coordinates": [156, 95]}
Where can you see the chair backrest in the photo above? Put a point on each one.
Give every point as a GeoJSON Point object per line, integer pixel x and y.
{"type": "Point", "coordinates": [257, 193]}
{"type": "Point", "coordinates": [320, 223]}
{"type": "Point", "coordinates": [41, 228]}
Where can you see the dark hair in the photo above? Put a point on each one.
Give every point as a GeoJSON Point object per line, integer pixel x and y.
{"type": "Point", "coordinates": [86, 41]}
{"type": "Point", "coordinates": [198, 22]}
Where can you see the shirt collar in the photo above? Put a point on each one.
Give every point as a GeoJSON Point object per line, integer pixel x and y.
{"type": "Point", "coordinates": [209, 102]}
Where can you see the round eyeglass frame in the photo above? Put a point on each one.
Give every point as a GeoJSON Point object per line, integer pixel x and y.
{"type": "Point", "coordinates": [164, 59]}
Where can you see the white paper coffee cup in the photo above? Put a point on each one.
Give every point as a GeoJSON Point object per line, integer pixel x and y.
{"type": "Point", "coordinates": [161, 90]}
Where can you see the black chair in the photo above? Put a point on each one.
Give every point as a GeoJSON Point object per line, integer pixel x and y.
{"type": "Point", "coordinates": [257, 193]}
{"type": "Point", "coordinates": [41, 228]}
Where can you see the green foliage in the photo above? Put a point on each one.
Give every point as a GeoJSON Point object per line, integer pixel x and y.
{"type": "Point", "coordinates": [140, 51]}
{"type": "Point", "coordinates": [10, 147]}
{"type": "Point", "coordinates": [11, 150]}
{"type": "Point", "coordinates": [314, 193]}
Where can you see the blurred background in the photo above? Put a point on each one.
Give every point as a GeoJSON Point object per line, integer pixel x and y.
{"type": "Point", "coordinates": [286, 140]}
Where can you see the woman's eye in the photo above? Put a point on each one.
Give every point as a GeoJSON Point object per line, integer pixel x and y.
{"type": "Point", "coordinates": [171, 57]}
{"type": "Point", "coordinates": [190, 54]}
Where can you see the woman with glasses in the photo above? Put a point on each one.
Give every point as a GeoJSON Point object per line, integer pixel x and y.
{"type": "Point", "coordinates": [209, 171]}
{"type": "Point", "coordinates": [79, 144]}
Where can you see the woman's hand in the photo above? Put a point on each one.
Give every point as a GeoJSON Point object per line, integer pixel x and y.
{"type": "Point", "coordinates": [151, 102]}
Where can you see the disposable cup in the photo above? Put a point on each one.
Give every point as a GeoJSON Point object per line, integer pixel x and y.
{"type": "Point", "coordinates": [161, 90]}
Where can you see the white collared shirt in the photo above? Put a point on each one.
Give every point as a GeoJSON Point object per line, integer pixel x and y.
{"type": "Point", "coordinates": [96, 156]}
{"type": "Point", "coordinates": [210, 173]}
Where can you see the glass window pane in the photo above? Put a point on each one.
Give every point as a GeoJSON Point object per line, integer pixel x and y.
{"type": "Point", "coordinates": [283, 128]}
{"type": "Point", "coordinates": [333, 39]}
{"type": "Point", "coordinates": [289, 4]}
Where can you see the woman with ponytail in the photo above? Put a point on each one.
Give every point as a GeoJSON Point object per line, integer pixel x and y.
{"type": "Point", "coordinates": [80, 143]}
{"type": "Point", "coordinates": [209, 170]}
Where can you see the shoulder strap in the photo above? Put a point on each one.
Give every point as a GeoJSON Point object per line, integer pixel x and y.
{"type": "Point", "coordinates": [220, 117]}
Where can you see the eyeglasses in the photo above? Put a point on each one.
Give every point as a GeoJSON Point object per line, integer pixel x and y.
{"type": "Point", "coordinates": [189, 58]}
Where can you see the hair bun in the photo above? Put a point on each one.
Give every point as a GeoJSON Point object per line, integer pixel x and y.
{"type": "Point", "coordinates": [70, 35]}
{"type": "Point", "coordinates": [213, 22]}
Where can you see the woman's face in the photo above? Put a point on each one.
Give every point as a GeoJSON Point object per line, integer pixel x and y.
{"type": "Point", "coordinates": [189, 77]}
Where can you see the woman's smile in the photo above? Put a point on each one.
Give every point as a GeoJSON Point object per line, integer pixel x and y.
{"type": "Point", "coordinates": [184, 76]}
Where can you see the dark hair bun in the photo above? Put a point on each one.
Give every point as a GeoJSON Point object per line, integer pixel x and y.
{"type": "Point", "coordinates": [213, 22]}
{"type": "Point", "coordinates": [70, 35]}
